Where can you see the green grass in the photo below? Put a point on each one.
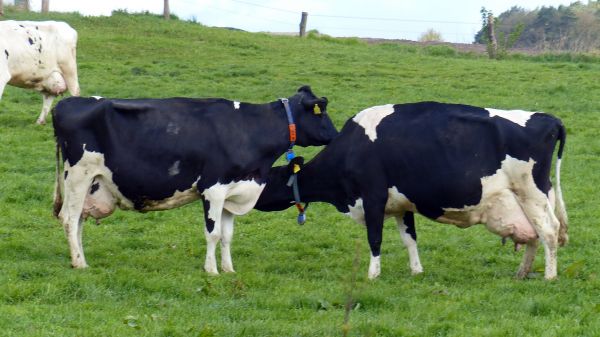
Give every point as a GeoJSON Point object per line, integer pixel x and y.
{"type": "Point", "coordinates": [146, 275]}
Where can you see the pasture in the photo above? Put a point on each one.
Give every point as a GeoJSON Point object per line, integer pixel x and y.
{"type": "Point", "coordinates": [145, 276]}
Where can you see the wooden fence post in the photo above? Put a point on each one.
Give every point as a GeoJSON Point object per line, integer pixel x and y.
{"type": "Point", "coordinates": [1, 8]}
{"type": "Point", "coordinates": [493, 52]}
{"type": "Point", "coordinates": [26, 5]}
{"type": "Point", "coordinates": [303, 24]}
{"type": "Point", "coordinates": [166, 11]}
{"type": "Point", "coordinates": [45, 6]}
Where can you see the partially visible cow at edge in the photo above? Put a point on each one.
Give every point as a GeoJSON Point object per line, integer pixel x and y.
{"type": "Point", "coordinates": [454, 164]}
{"type": "Point", "coordinates": [158, 154]}
{"type": "Point", "coordinates": [39, 56]}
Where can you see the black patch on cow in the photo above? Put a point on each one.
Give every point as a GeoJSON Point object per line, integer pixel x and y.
{"type": "Point", "coordinates": [40, 48]}
{"type": "Point", "coordinates": [66, 174]}
{"type": "Point", "coordinates": [21, 26]}
{"type": "Point", "coordinates": [40, 62]}
{"type": "Point", "coordinates": [6, 52]}
{"type": "Point", "coordinates": [36, 27]}
{"type": "Point", "coordinates": [209, 223]}
{"type": "Point", "coordinates": [409, 222]}
{"type": "Point", "coordinates": [30, 41]}
{"type": "Point", "coordinates": [95, 187]}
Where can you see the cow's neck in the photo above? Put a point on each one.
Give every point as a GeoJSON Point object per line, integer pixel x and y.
{"type": "Point", "coordinates": [320, 180]}
{"type": "Point", "coordinates": [273, 133]}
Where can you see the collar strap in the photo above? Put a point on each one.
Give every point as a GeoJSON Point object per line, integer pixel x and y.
{"type": "Point", "coordinates": [291, 127]}
{"type": "Point", "coordinates": [293, 181]}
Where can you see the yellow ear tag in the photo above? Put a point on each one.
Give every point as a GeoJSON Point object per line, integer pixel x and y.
{"type": "Point", "coordinates": [296, 168]}
{"type": "Point", "coordinates": [317, 110]}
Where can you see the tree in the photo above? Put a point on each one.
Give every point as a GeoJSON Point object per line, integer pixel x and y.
{"type": "Point", "coordinates": [431, 36]}
{"type": "Point", "coordinates": [1, 8]}
{"type": "Point", "coordinates": [166, 11]}
{"type": "Point", "coordinates": [45, 6]}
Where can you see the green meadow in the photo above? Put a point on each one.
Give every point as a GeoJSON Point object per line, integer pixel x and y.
{"type": "Point", "coordinates": [146, 277]}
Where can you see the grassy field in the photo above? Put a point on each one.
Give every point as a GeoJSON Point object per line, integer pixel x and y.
{"type": "Point", "coordinates": [146, 275]}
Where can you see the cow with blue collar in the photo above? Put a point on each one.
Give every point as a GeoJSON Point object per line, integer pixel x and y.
{"type": "Point", "coordinates": [455, 164]}
{"type": "Point", "coordinates": [158, 154]}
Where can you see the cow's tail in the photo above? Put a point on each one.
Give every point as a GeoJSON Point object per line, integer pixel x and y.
{"type": "Point", "coordinates": [58, 183]}
{"type": "Point", "coordinates": [560, 210]}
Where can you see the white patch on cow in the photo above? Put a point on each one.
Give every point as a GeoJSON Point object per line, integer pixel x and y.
{"type": "Point", "coordinates": [370, 118]}
{"type": "Point", "coordinates": [236, 105]}
{"type": "Point", "coordinates": [516, 116]}
{"type": "Point", "coordinates": [398, 203]}
{"type": "Point", "coordinates": [92, 166]}
{"type": "Point", "coordinates": [173, 128]}
{"type": "Point", "coordinates": [174, 169]}
{"type": "Point", "coordinates": [411, 247]}
{"type": "Point", "coordinates": [357, 212]}
{"type": "Point", "coordinates": [499, 207]}
{"type": "Point", "coordinates": [238, 197]}
{"type": "Point", "coordinates": [98, 97]}
{"type": "Point", "coordinates": [225, 201]}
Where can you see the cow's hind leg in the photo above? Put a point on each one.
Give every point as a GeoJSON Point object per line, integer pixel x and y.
{"type": "Point", "coordinates": [408, 234]}
{"type": "Point", "coordinates": [540, 214]}
{"type": "Point", "coordinates": [4, 78]}
{"type": "Point", "coordinates": [47, 104]}
{"type": "Point", "coordinates": [227, 220]}
{"type": "Point", "coordinates": [76, 189]}
{"type": "Point", "coordinates": [528, 257]}
{"type": "Point", "coordinates": [213, 209]}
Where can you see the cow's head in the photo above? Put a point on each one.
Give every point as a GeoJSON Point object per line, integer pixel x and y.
{"type": "Point", "coordinates": [313, 125]}
{"type": "Point", "coordinates": [278, 194]}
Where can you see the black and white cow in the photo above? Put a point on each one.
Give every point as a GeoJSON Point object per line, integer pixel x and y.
{"type": "Point", "coordinates": [39, 55]}
{"type": "Point", "coordinates": [454, 164]}
{"type": "Point", "coordinates": [157, 154]}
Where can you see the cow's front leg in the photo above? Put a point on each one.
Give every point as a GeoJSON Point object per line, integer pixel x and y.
{"type": "Point", "coordinates": [408, 234]}
{"type": "Point", "coordinates": [374, 211]}
{"type": "Point", "coordinates": [47, 104]}
{"type": "Point", "coordinates": [227, 234]}
{"type": "Point", "coordinates": [213, 209]}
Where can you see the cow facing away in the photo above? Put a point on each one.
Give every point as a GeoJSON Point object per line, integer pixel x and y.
{"type": "Point", "coordinates": [454, 164]}
{"type": "Point", "coordinates": [39, 56]}
{"type": "Point", "coordinates": [158, 154]}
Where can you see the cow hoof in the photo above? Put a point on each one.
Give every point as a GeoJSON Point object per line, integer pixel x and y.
{"type": "Point", "coordinates": [40, 122]}
{"type": "Point", "coordinates": [79, 265]}
{"type": "Point", "coordinates": [228, 270]}
{"type": "Point", "coordinates": [417, 271]}
{"type": "Point", "coordinates": [211, 271]}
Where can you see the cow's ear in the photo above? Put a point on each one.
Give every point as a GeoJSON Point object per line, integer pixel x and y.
{"type": "Point", "coordinates": [316, 105]}
{"type": "Point", "coordinates": [295, 165]}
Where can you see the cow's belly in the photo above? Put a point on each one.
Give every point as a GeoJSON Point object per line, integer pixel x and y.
{"type": "Point", "coordinates": [179, 198]}
{"type": "Point", "coordinates": [41, 79]}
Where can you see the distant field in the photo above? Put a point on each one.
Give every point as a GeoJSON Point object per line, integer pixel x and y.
{"type": "Point", "coordinates": [146, 276]}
